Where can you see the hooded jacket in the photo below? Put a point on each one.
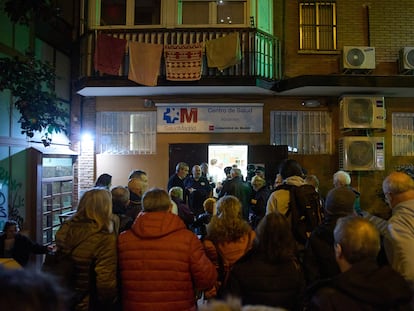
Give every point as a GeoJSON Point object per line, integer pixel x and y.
{"type": "Point", "coordinates": [363, 287]}
{"type": "Point", "coordinates": [161, 264]}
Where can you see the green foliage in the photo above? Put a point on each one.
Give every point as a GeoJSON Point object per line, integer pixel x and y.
{"type": "Point", "coordinates": [23, 11]}
{"type": "Point", "coordinates": [30, 82]}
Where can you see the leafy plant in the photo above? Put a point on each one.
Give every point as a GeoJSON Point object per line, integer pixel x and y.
{"type": "Point", "coordinates": [23, 11]}
{"type": "Point", "coordinates": [31, 82]}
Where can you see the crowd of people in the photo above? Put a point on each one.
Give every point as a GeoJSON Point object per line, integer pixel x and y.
{"type": "Point", "coordinates": [230, 244]}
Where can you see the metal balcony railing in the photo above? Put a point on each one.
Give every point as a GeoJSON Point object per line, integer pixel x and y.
{"type": "Point", "coordinates": [261, 53]}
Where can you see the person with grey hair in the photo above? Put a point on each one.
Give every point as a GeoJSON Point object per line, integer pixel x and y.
{"type": "Point", "coordinates": [259, 201]}
{"type": "Point", "coordinates": [177, 179]}
{"type": "Point", "coordinates": [362, 284]}
{"type": "Point", "coordinates": [343, 179]}
{"type": "Point", "coordinates": [120, 202]}
{"type": "Point", "coordinates": [398, 231]}
{"type": "Point", "coordinates": [161, 262]}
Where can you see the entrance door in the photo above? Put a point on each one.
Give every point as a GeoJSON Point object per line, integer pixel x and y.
{"type": "Point", "coordinates": [268, 155]}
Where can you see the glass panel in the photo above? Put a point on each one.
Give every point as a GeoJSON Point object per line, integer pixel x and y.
{"type": "Point", "coordinates": [230, 12]}
{"type": "Point", "coordinates": [66, 200]}
{"type": "Point", "coordinates": [56, 203]}
{"type": "Point", "coordinates": [147, 12]}
{"type": "Point", "coordinates": [113, 12]}
{"type": "Point", "coordinates": [195, 13]}
{"type": "Point", "coordinates": [47, 204]}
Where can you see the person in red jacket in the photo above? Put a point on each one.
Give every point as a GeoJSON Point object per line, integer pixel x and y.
{"type": "Point", "coordinates": [162, 263]}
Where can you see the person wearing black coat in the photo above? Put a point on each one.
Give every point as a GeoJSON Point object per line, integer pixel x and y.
{"type": "Point", "coordinates": [17, 246]}
{"type": "Point", "coordinates": [270, 273]}
{"type": "Point", "coordinates": [319, 255]}
{"type": "Point", "coordinates": [362, 284]}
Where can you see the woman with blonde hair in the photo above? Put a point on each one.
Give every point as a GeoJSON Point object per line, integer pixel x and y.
{"type": "Point", "coordinates": [228, 238]}
{"type": "Point", "coordinates": [90, 239]}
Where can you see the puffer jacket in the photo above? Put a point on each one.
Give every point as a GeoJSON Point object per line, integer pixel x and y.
{"type": "Point", "coordinates": [96, 263]}
{"type": "Point", "coordinates": [161, 264]}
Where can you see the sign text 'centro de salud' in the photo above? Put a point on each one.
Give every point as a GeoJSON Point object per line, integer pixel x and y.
{"type": "Point", "coordinates": [210, 118]}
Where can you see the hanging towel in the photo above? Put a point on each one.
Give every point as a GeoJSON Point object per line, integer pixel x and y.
{"type": "Point", "coordinates": [144, 62]}
{"type": "Point", "coordinates": [223, 52]}
{"type": "Point", "coordinates": [183, 61]}
{"type": "Point", "coordinates": [109, 52]}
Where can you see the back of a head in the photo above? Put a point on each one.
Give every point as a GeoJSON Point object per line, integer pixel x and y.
{"type": "Point", "coordinates": [176, 192]}
{"type": "Point", "coordinates": [275, 239]}
{"type": "Point", "coordinates": [258, 182]}
{"type": "Point", "coordinates": [359, 239]}
{"type": "Point", "coordinates": [156, 200]}
{"type": "Point", "coordinates": [340, 201]}
{"type": "Point", "coordinates": [229, 207]}
{"type": "Point", "coordinates": [209, 205]}
{"type": "Point", "coordinates": [136, 174]}
{"type": "Point", "coordinates": [120, 196]}
{"type": "Point", "coordinates": [312, 180]}
{"type": "Point", "coordinates": [30, 290]}
{"type": "Point", "coordinates": [289, 168]}
{"type": "Point", "coordinates": [96, 205]}
{"type": "Point", "coordinates": [341, 178]}
{"type": "Point", "coordinates": [398, 182]}
{"type": "Point", "coordinates": [236, 172]}
{"type": "Point", "coordinates": [227, 170]}
{"type": "Point", "coordinates": [104, 181]}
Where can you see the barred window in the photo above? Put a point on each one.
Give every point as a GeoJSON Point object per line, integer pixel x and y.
{"type": "Point", "coordinates": [317, 25]}
{"type": "Point", "coordinates": [304, 132]}
{"type": "Point", "coordinates": [402, 134]}
{"type": "Point", "coordinates": [126, 132]}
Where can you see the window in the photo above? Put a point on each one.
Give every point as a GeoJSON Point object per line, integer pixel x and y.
{"type": "Point", "coordinates": [126, 132]}
{"type": "Point", "coordinates": [402, 134]}
{"type": "Point", "coordinates": [317, 25]}
{"type": "Point", "coordinates": [147, 12]}
{"type": "Point", "coordinates": [199, 12]}
{"type": "Point", "coordinates": [302, 131]}
{"type": "Point", "coordinates": [57, 195]}
{"type": "Point", "coordinates": [116, 12]}
{"type": "Point", "coordinates": [113, 12]}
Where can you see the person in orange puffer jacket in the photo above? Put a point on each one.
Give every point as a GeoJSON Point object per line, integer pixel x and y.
{"type": "Point", "coordinates": [162, 263]}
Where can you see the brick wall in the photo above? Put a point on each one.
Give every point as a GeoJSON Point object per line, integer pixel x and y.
{"type": "Point", "coordinates": [383, 24]}
{"type": "Point", "coordinates": [86, 160]}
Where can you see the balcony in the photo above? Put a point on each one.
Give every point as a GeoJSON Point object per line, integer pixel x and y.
{"type": "Point", "coordinates": [257, 71]}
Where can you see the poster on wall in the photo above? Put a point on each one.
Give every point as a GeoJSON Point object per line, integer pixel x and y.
{"type": "Point", "coordinates": [210, 118]}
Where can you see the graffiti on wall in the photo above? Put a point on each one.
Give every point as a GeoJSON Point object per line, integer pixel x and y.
{"type": "Point", "coordinates": [10, 206]}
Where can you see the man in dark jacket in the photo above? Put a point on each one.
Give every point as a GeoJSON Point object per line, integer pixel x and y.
{"type": "Point", "coordinates": [240, 189]}
{"type": "Point", "coordinates": [362, 284]}
{"type": "Point", "coordinates": [17, 246]}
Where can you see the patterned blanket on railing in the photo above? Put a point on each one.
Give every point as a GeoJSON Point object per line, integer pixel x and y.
{"type": "Point", "coordinates": [183, 62]}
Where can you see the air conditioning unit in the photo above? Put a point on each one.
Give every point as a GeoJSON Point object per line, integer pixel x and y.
{"type": "Point", "coordinates": [406, 60]}
{"type": "Point", "coordinates": [362, 112]}
{"type": "Point", "coordinates": [360, 153]}
{"type": "Point", "coordinates": [358, 57]}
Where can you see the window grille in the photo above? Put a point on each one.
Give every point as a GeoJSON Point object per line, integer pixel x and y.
{"type": "Point", "coordinates": [317, 25]}
{"type": "Point", "coordinates": [402, 134]}
{"type": "Point", "coordinates": [126, 132]}
{"type": "Point", "coordinates": [303, 132]}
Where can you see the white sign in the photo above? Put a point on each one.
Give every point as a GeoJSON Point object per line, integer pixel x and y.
{"type": "Point", "coordinates": [210, 118]}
